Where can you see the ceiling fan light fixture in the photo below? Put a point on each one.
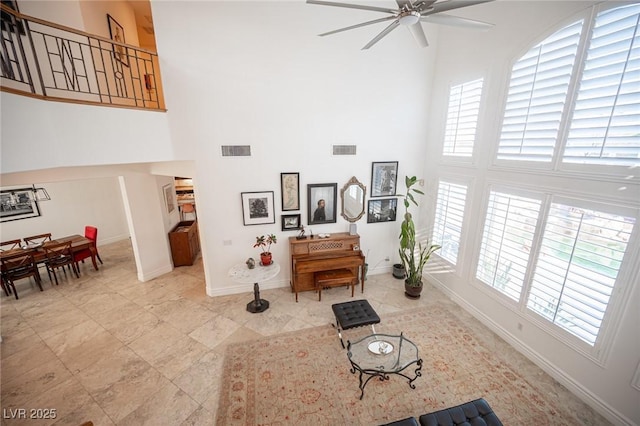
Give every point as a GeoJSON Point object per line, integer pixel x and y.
{"type": "Point", "coordinates": [409, 14]}
{"type": "Point", "coordinates": [409, 17]}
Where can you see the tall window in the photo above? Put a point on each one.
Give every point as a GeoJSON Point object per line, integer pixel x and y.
{"type": "Point", "coordinates": [605, 128]}
{"type": "Point", "coordinates": [537, 94]}
{"type": "Point", "coordinates": [506, 242]}
{"type": "Point", "coordinates": [594, 95]}
{"type": "Point", "coordinates": [448, 221]}
{"type": "Point", "coordinates": [580, 256]}
{"type": "Point", "coordinates": [462, 118]}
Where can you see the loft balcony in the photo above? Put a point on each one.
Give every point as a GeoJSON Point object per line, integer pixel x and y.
{"type": "Point", "coordinates": [53, 62]}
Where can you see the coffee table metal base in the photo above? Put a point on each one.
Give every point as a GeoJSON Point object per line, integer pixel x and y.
{"type": "Point", "coordinates": [383, 375]}
{"type": "Point", "coordinates": [381, 355]}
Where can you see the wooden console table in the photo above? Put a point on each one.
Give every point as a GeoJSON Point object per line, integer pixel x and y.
{"type": "Point", "coordinates": [339, 251]}
{"type": "Point", "coordinates": [185, 243]}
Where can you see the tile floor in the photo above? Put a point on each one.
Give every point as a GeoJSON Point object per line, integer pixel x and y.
{"type": "Point", "coordinates": [113, 350]}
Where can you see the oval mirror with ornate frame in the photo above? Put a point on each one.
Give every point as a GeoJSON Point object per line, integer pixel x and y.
{"type": "Point", "coordinates": [352, 195]}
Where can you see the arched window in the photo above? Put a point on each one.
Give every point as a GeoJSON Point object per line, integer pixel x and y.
{"type": "Point", "coordinates": [574, 97]}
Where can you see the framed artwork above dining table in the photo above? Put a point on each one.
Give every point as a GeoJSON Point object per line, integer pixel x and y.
{"type": "Point", "coordinates": [16, 204]}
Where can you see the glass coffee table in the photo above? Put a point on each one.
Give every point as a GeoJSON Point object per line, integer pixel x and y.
{"type": "Point", "coordinates": [380, 355]}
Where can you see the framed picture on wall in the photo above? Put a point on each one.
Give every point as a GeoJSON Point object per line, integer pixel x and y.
{"type": "Point", "coordinates": [16, 204]}
{"type": "Point", "coordinates": [258, 208]}
{"type": "Point", "coordinates": [116, 32]}
{"type": "Point", "coordinates": [384, 176]}
{"type": "Point", "coordinates": [322, 207]}
{"type": "Point", "coordinates": [382, 210]}
{"type": "Point", "coordinates": [291, 222]}
{"type": "Point", "coordinates": [290, 186]}
{"type": "Point", "coordinates": [169, 200]}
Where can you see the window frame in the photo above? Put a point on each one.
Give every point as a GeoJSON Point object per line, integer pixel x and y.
{"type": "Point", "coordinates": [496, 186]}
{"type": "Point", "coordinates": [622, 288]}
{"type": "Point", "coordinates": [556, 165]}
{"type": "Point", "coordinates": [462, 246]}
{"type": "Point", "coordinates": [457, 158]}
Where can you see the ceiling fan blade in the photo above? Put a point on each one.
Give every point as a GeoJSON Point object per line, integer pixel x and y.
{"type": "Point", "coordinates": [451, 5]}
{"type": "Point", "coordinates": [456, 21]}
{"type": "Point", "coordinates": [384, 32]}
{"type": "Point", "coordinates": [418, 34]}
{"type": "Point", "coordinates": [352, 6]}
{"type": "Point", "coordinates": [375, 21]}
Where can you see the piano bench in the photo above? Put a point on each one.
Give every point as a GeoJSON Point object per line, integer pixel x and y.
{"type": "Point", "coordinates": [352, 314]}
{"type": "Point", "coordinates": [334, 278]}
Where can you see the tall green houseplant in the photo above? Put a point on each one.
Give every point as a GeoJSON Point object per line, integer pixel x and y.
{"type": "Point", "coordinates": [413, 261]}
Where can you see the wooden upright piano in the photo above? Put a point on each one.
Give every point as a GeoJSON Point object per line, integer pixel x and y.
{"type": "Point", "coordinates": [339, 251]}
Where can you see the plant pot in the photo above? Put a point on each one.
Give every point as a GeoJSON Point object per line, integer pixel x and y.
{"type": "Point", "coordinates": [412, 292]}
{"type": "Point", "coordinates": [265, 259]}
{"type": "Point", "coordinates": [398, 271]}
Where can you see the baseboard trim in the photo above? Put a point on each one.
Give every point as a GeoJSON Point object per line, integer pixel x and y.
{"type": "Point", "coordinates": [115, 239]}
{"type": "Point", "coordinates": [574, 387]}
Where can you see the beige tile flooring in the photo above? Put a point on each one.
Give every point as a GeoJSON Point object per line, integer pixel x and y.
{"type": "Point", "coordinates": [113, 350]}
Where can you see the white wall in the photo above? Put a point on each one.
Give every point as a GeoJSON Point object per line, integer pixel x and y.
{"type": "Point", "coordinates": [272, 83]}
{"type": "Point", "coordinates": [147, 217]}
{"type": "Point", "coordinates": [63, 134]}
{"type": "Point", "coordinates": [94, 15]}
{"type": "Point", "coordinates": [73, 205]}
{"type": "Point", "coordinates": [62, 12]}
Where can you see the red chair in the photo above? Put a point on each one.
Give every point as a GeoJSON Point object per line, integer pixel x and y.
{"type": "Point", "coordinates": [90, 232]}
{"type": "Point", "coordinates": [186, 209]}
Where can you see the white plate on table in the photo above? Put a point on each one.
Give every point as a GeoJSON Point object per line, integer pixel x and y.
{"type": "Point", "coordinates": [380, 347]}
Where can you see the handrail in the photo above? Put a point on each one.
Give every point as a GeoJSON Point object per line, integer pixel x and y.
{"type": "Point", "coordinates": [53, 62]}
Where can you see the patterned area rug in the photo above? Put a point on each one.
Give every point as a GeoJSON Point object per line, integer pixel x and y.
{"type": "Point", "coordinates": [304, 377]}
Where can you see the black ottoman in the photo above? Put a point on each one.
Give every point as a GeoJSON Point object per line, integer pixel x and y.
{"type": "Point", "coordinates": [356, 313]}
{"type": "Point", "coordinates": [409, 421]}
{"type": "Point", "coordinates": [477, 413]}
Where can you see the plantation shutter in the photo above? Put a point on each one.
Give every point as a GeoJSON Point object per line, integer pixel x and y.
{"type": "Point", "coordinates": [462, 118]}
{"type": "Point", "coordinates": [605, 128]}
{"type": "Point", "coordinates": [448, 219]}
{"type": "Point", "coordinates": [537, 94]}
{"type": "Point", "coordinates": [580, 255]}
{"type": "Point", "coordinates": [506, 242]}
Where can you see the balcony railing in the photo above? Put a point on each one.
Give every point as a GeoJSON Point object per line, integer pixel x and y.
{"type": "Point", "coordinates": [54, 62]}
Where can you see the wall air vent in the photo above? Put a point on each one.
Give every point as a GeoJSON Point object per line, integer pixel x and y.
{"type": "Point", "coordinates": [344, 149]}
{"type": "Point", "coordinates": [236, 150]}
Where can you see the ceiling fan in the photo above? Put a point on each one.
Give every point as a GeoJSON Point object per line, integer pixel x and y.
{"type": "Point", "coordinates": [410, 14]}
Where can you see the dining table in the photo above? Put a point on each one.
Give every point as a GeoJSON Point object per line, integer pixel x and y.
{"type": "Point", "coordinates": [78, 243]}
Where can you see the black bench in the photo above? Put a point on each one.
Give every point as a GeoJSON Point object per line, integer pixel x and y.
{"type": "Point", "coordinates": [352, 314]}
{"type": "Point", "coordinates": [477, 412]}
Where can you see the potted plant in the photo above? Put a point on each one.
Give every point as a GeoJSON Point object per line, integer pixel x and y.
{"type": "Point", "coordinates": [265, 242]}
{"type": "Point", "coordinates": [413, 260]}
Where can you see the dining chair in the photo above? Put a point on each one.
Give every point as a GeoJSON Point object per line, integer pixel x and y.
{"type": "Point", "coordinates": [18, 266]}
{"type": "Point", "coordinates": [58, 256]}
{"type": "Point", "coordinates": [90, 232]}
{"type": "Point", "coordinates": [37, 239]}
{"type": "Point", "coordinates": [10, 244]}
